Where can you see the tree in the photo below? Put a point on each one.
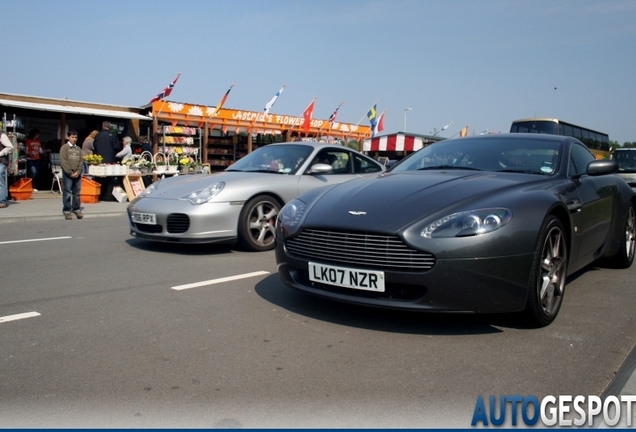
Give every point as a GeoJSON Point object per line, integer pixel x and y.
{"type": "Point", "coordinates": [354, 144]}
{"type": "Point", "coordinates": [613, 145]}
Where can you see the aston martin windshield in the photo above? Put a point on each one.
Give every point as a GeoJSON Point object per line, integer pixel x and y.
{"type": "Point", "coordinates": [500, 155]}
{"type": "Point", "coordinates": [284, 159]}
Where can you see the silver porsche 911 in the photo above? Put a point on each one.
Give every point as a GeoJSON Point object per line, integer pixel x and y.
{"type": "Point", "coordinates": [242, 202]}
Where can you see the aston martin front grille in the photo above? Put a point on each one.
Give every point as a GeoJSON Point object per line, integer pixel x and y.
{"type": "Point", "coordinates": [359, 249]}
{"type": "Point", "coordinates": [178, 223]}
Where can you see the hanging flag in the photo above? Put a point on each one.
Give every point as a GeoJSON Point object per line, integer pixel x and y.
{"type": "Point", "coordinates": [270, 104]}
{"type": "Point", "coordinates": [332, 117]}
{"type": "Point", "coordinates": [372, 116]}
{"type": "Point", "coordinates": [307, 116]}
{"type": "Point", "coordinates": [379, 126]}
{"type": "Point", "coordinates": [463, 132]}
{"type": "Point", "coordinates": [221, 102]}
{"type": "Point", "coordinates": [166, 91]}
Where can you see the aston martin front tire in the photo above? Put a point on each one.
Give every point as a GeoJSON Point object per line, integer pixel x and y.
{"type": "Point", "coordinates": [548, 274]}
{"type": "Point", "coordinates": [625, 255]}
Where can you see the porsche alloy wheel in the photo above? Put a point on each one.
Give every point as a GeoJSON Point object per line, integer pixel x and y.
{"type": "Point", "coordinates": [549, 273]}
{"type": "Point", "coordinates": [256, 225]}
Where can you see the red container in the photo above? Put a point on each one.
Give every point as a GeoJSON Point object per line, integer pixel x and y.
{"type": "Point", "coordinates": [89, 194]}
{"type": "Point", "coordinates": [21, 190]}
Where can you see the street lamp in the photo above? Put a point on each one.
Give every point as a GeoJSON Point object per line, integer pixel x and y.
{"type": "Point", "coordinates": [405, 110]}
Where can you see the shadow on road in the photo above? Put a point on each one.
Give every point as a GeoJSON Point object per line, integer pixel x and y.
{"type": "Point", "coordinates": [180, 248]}
{"type": "Point", "coordinates": [273, 290]}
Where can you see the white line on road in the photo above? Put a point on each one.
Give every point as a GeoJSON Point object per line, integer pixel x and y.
{"type": "Point", "coordinates": [36, 240]}
{"type": "Point", "coordinates": [18, 316]}
{"type": "Point", "coordinates": [221, 280]}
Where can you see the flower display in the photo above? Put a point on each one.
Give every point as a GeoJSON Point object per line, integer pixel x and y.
{"type": "Point", "coordinates": [93, 159]}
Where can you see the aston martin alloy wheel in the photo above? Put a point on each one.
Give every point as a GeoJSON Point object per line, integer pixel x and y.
{"type": "Point", "coordinates": [625, 255]}
{"type": "Point", "coordinates": [548, 275]}
{"type": "Point", "coordinates": [256, 229]}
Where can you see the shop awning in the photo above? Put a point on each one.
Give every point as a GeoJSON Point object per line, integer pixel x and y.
{"type": "Point", "coordinates": [73, 109]}
{"type": "Point", "coordinates": [395, 142]}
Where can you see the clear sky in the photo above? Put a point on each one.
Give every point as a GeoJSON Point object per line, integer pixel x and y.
{"type": "Point", "coordinates": [481, 63]}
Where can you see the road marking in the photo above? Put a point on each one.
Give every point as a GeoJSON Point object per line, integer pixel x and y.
{"type": "Point", "coordinates": [36, 240]}
{"type": "Point", "coordinates": [221, 280]}
{"type": "Point", "coordinates": [18, 316]}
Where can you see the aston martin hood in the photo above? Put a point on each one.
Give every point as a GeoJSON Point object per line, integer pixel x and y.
{"type": "Point", "coordinates": [389, 201]}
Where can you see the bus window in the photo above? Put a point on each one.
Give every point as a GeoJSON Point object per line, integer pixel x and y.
{"type": "Point", "coordinates": [597, 142]}
{"type": "Point", "coordinates": [566, 130]}
{"type": "Point", "coordinates": [585, 139]}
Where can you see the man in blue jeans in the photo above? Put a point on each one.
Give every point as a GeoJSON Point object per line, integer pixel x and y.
{"type": "Point", "coordinates": [71, 163]}
{"type": "Point", "coordinates": [6, 148]}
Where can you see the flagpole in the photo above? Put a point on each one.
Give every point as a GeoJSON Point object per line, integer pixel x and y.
{"type": "Point", "coordinates": [458, 132]}
{"type": "Point", "coordinates": [335, 111]}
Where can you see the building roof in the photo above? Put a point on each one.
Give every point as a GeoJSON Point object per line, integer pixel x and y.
{"type": "Point", "coordinates": [69, 106]}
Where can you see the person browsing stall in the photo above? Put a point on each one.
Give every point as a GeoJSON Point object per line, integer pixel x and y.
{"type": "Point", "coordinates": [106, 144]}
{"type": "Point", "coordinates": [126, 152]}
{"type": "Point", "coordinates": [6, 149]}
{"type": "Point", "coordinates": [33, 152]}
{"type": "Point", "coordinates": [71, 163]}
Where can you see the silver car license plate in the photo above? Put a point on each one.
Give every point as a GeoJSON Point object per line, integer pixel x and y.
{"type": "Point", "coordinates": [367, 280]}
{"type": "Point", "coordinates": [144, 218]}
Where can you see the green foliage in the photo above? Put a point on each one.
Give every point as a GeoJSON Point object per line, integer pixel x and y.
{"type": "Point", "coordinates": [354, 144]}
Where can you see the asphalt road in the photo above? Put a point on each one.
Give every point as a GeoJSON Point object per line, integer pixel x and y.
{"type": "Point", "coordinates": [115, 345]}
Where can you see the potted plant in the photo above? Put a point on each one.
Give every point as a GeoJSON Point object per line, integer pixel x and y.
{"type": "Point", "coordinates": [95, 167]}
{"type": "Point", "coordinates": [93, 159]}
{"type": "Point", "coordinates": [173, 163]}
{"type": "Point", "coordinates": [185, 164]}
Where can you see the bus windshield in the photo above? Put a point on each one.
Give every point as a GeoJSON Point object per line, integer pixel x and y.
{"type": "Point", "coordinates": [535, 127]}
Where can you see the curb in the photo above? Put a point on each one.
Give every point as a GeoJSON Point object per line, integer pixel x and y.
{"type": "Point", "coordinates": [55, 217]}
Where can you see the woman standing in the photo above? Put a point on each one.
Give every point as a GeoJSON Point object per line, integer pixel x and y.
{"type": "Point", "coordinates": [34, 150]}
{"type": "Point", "coordinates": [87, 148]}
{"type": "Point", "coordinates": [126, 152]}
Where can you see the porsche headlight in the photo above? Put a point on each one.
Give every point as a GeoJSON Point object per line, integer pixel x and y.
{"type": "Point", "coordinates": [466, 224]}
{"type": "Point", "coordinates": [150, 189]}
{"type": "Point", "coordinates": [289, 216]}
{"type": "Point", "coordinates": [204, 195]}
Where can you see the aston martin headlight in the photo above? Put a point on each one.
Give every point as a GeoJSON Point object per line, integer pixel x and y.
{"type": "Point", "coordinates": [466, 224]}
{"type": "Point", "coordinates": [290, 216]}
{"type": "Point", "coordinates": [204, 195]}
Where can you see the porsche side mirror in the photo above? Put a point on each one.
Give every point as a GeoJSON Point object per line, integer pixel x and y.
{"type": "Point", "coordinates": [320, 168]}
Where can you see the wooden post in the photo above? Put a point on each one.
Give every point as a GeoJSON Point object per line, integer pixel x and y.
{"type": "Point", "coordinates": [204, 143]}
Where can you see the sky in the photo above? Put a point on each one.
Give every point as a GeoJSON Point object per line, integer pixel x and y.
{"type": "Point", "coordinates": [480, 63]}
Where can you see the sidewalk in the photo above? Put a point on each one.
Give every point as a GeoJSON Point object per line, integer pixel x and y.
{"type": "Point", "coordinates": [45, 205]}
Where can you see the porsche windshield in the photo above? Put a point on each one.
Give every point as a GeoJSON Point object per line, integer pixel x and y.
{"type": "Point", "coordinates": [283, 159]}
{"type": "Point", "coordinates": [502, 155]}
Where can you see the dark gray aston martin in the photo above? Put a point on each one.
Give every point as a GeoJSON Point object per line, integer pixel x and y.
{"type": "Point", "coordinates": [481, 224]}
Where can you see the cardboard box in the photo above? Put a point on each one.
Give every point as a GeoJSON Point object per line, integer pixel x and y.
{"type": "Point", "coordinates": [119, 194]}
{"type": "Point", "coordinates": [134, 185]}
